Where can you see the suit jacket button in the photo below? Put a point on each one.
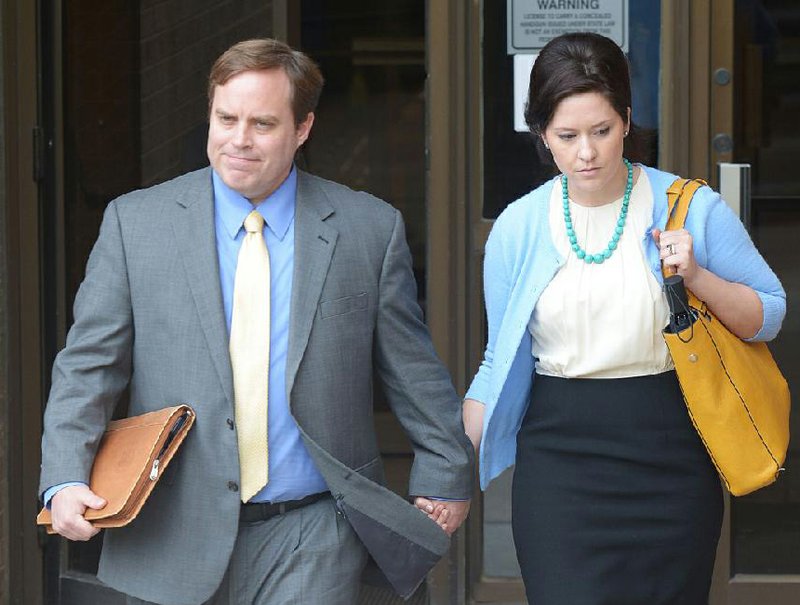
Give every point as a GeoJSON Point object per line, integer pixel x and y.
{"type": "Point", "coordinates": [230, 423]}
{"type": "Point", "coordinates": [233, 486]}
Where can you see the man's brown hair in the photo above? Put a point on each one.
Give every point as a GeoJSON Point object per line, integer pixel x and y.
{"type": "Point", "coordinates": [304, 76]}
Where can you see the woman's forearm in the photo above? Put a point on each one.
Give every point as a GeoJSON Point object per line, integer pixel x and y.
{"type": "Point", "coordinates": [473, 421]}
{"type": "Point", "coordinates": [735, 305]}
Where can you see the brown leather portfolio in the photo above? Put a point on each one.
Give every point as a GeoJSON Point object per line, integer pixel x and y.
{"type": "Point", "coordinates": [131, 457]}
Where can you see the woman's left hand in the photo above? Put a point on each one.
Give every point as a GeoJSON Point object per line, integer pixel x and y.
{"type": "Point", "coordinates": [677, 253]}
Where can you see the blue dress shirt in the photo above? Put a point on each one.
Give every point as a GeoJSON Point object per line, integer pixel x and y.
{"type": "Point", "coordinates": [292, 473]}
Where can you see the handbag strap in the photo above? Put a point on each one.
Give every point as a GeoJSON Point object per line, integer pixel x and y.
{"type": "Point", "coordinates": [679, 196]}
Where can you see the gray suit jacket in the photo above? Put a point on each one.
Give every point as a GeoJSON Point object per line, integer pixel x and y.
{"type": "Point", "coordinates": [149, 315]}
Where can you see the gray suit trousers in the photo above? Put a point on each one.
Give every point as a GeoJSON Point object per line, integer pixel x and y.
{"type": "Point", "coordinates": [307, 556]}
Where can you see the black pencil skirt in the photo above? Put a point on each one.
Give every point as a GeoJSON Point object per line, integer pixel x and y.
{"type": "Point", "coordinates": [615, 500]}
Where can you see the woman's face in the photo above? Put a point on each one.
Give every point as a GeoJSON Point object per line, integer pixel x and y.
{"type": "Point", "coordinates": [586, 137]}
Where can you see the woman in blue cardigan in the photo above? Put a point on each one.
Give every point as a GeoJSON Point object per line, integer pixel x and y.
{"type": "Point", "coordinates": [615, 499]}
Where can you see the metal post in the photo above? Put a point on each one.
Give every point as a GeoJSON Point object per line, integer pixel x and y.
{"type": "Point", "coordinates": [734, 187]}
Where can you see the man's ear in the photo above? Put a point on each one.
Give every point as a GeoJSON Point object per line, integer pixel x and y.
{"type": "Point", "coordinates": [304, 128]}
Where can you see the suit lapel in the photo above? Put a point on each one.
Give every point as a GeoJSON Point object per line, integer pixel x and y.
{"type": "Point", "coordinates": [314, 242]}
{"type": "Point", "coordinates": [195, 236]}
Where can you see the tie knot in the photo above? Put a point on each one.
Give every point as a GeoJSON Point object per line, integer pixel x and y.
{"type": "Point", "coordinates": [254, 222]}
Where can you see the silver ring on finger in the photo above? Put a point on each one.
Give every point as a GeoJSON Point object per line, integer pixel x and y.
{"type": "Point", "coordinates": [670, 249]}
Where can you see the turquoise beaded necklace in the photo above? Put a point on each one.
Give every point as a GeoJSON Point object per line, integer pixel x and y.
{"type": "Point", "coordinates": [623, 214]}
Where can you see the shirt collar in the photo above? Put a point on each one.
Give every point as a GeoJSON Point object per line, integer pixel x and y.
{"type": "Point", "coordinates": [277, 209]}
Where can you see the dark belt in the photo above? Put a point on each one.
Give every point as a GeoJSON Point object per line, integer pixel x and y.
{"type": "Point", "coordinates": [261, 511]}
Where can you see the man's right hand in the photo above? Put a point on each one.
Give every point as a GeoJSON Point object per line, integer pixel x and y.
{"type": "Point", "coordinates": [67, 508]}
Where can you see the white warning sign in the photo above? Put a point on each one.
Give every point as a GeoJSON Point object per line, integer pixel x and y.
{"type": "Point", "coordinates": [533, 23]}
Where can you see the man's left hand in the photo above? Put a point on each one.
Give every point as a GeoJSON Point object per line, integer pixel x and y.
{"type": "Point", "coordinates": [448, 514]}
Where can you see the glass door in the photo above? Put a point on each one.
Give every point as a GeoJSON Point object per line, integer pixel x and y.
{"type": "Point", "coordinates": [762, 541]}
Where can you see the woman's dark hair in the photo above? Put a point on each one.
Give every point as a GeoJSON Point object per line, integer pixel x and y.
{"type": "Point", "coordinates": [573, 64]}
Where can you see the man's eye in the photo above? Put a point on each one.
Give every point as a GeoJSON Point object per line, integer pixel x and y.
{"type": "Point", "coordinates": [227, 119]}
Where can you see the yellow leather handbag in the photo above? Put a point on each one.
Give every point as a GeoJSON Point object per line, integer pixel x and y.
{"type": "Point", "coordinates": [737, 397]}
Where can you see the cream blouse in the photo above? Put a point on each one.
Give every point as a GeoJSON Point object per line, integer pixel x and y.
{"type": "Point", "coordinates": [602, 321]}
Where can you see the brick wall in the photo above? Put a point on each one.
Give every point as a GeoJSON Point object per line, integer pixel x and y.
{"type": "Point", "coordinates": [180, 39]}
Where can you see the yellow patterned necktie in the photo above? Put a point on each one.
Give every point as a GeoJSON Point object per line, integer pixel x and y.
{"type": "Point", "coordinates": [249, 349]}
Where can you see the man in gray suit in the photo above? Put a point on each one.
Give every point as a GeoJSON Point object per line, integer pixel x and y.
{"type": "Point", "coordinates": [154, 314]}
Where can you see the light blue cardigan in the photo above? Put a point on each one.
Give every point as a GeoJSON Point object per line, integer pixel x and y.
{"type": "Point", "coordinates": [521, 260]}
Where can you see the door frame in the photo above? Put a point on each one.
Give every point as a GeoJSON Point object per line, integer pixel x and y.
{"type": "Point", "coordinates": [693, 108]}
{"type": "Point", "coordinates": [450, 132]}
{"type": "Point", "coordinates": [22, 394]}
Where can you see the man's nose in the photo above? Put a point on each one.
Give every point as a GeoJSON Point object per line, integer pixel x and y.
{"type": "Point", "coordinates": [241, 135]}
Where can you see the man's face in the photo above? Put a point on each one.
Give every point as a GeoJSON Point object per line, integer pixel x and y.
{"type": "Point", "coordinates": [252, 137]}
